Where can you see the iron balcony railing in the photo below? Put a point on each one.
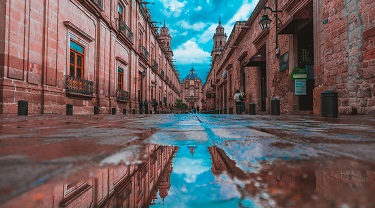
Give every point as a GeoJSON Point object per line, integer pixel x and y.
{"type": "Point", "coordinates": [125, 30]}
{"type": "Point", "coordinates": [99, 3]}
{"type": "Point", "coordinates": [122, 95]}
{"type": "Point", "coordinates": [78, 85]}
{"type": "Point", "coordinates": [144, 52]}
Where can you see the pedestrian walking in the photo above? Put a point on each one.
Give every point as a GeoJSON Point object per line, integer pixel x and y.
{"type": "Point", "coordinates": [238, 100]}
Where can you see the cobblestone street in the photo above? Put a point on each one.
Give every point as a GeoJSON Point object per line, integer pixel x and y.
{"type": "Point", "coordinates": [187, 160]}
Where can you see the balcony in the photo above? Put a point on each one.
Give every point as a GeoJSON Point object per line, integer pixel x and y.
{"type": "Point", "coordinates": [122, 96]}
{"type": "Point", "coordinates": [99, 3]}
{"type": "Point", "coordinates": [125, 30]}
{"type": "Point", "coordinates": [78, 87]}
{"type": "Point", "coordinates": [155, 65]}
{"type": "Point", "coordinates": [144, 52]}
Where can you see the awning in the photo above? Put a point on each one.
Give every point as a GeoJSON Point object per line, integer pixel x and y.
{"type": "Point", "coordinates": [293, 25]}
{"type": "Point", "coordinates": [258, 58]}
{"type": "Point", "coordinates": [255, 60]}
{"type": "Point", "coordinates": [298, 20]}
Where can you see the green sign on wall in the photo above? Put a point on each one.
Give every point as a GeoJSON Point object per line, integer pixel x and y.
{"type": "Point", "coordinates": [299, 73]}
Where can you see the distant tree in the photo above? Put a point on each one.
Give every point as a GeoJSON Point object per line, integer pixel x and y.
{"type": "Point", "coordinates": [179, 104]}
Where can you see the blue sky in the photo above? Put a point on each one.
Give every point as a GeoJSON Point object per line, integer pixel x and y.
{"type": "Point", "coordinates": [192, 24]}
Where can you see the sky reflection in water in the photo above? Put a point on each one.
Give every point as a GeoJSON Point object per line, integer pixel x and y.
{"type": "Point", "coordinates": [194, 185]}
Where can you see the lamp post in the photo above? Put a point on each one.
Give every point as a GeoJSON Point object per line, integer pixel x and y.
{"type": "Point", "coordinates": [265, 23]}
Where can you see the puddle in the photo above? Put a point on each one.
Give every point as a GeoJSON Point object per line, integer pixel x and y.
{"type": "Point", "coordinates": [202, 176]}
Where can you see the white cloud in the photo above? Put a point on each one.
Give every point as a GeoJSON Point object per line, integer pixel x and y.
{"type": "Point", "coordinates": [243, 13]}
{"type": "Point", "coordinates": [197, 26]}
{"type": "Point", "coordinates": [208, 34]}
{"type": "Point", "coordinates": [173, 7]}
{"type": "Point", "coordinates": [173, 32]}
{"type": "Point", "coordinates": [198, 8]}
{"type": "Point", "coordinates": [189, 53]}
{"type": "Point", "coordinates": [190, 168]}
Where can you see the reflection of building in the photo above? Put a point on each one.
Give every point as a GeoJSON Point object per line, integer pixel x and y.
{"type": "Point", "coordinates": [221, 162]}
{"type": "Point", "coordinates": [192, 149]}
{"type": "Point", "coordinates": [302, 184]}
{"type": "Point", "coordinates": [118, 186]}
{"type": "Point", "coordinates": [191, 90]}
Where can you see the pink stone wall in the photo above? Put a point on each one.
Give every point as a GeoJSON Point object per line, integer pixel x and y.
{"type": "Point", "coordinates": [34, 55]}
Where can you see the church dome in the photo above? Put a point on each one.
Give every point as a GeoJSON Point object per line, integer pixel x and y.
{"type": "Point", "coordinates": [192, 75]}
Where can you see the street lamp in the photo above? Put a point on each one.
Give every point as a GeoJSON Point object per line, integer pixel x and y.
{"type": "Point", "coordinates": [265, 23]}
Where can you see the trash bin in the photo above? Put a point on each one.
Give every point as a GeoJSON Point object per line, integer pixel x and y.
{"type": "Point", "coordinates": [124, 111]}
{"type": "Point", "coordinates": [275, 106]}
{"type": "Point", "coordinates": [69, 109]}
{"type": "Point", "coordinates": [23, 108]}
{"type": "Point", "coordinates": [252, 108]}
{"type": "Point", "coordinates": [96, 110]}
{"type": "Point", "coordinates": [230, 110]}
{"type": "Point", "coordinates": [329, 104]}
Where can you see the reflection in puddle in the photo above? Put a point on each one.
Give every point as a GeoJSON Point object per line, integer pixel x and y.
{"type": "Point", "coordinates": [202, 176]}
{"type": "Point", "coordinates": [134, 185]}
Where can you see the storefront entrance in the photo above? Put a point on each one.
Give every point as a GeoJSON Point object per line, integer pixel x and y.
{"type": "Point", "coordinates": [305, 41]}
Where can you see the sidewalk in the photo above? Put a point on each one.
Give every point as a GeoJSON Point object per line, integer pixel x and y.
{"type": "Point", "coordinates": [38, 147]}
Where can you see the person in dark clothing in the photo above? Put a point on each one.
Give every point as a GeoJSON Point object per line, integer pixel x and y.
{"type": "Point", "coordinates": [155, 105]}
{"type": "Point", "coordinates": [146, 107]}
{"type": "Point", "coordinates": [140, 107]}
{"type": "Point", "coordinates": [238, 100]}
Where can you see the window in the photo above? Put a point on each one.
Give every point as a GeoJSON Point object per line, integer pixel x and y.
{"type": "Point", "coordinates": [76, 60]}
{"type": "Point", "coordinates": [120, 10]}
{"type": "Point", "coordinates": [192, 93]}
{"type": "Point", "coordinates": [140, 38]}
{"type": "Point", "coordinates": [120, 79]}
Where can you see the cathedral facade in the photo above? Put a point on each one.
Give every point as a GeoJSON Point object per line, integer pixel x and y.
{"type": "Point", "coordinates": [192, 90]}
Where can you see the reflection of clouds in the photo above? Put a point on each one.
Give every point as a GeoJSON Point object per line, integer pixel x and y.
{"type": "Point", "coordinates": [128, 156]}
{"type": "Point", "coordinates": [229, 186]}
{"type": "Point", "coordinates": [190, 168]}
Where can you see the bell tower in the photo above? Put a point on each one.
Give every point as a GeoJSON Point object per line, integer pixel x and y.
{"type": "Point", "coordinates": [165, 39]}
{"type": "Point", "coordinates": [220, 38]}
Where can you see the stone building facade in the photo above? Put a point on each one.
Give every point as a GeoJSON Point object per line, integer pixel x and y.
{"type": "Point", "coordinates": [83, 53]}
{"type": "Point", "coordinates": [327, 45]}
{"type": "Point", "coordinates": [192, 90]}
